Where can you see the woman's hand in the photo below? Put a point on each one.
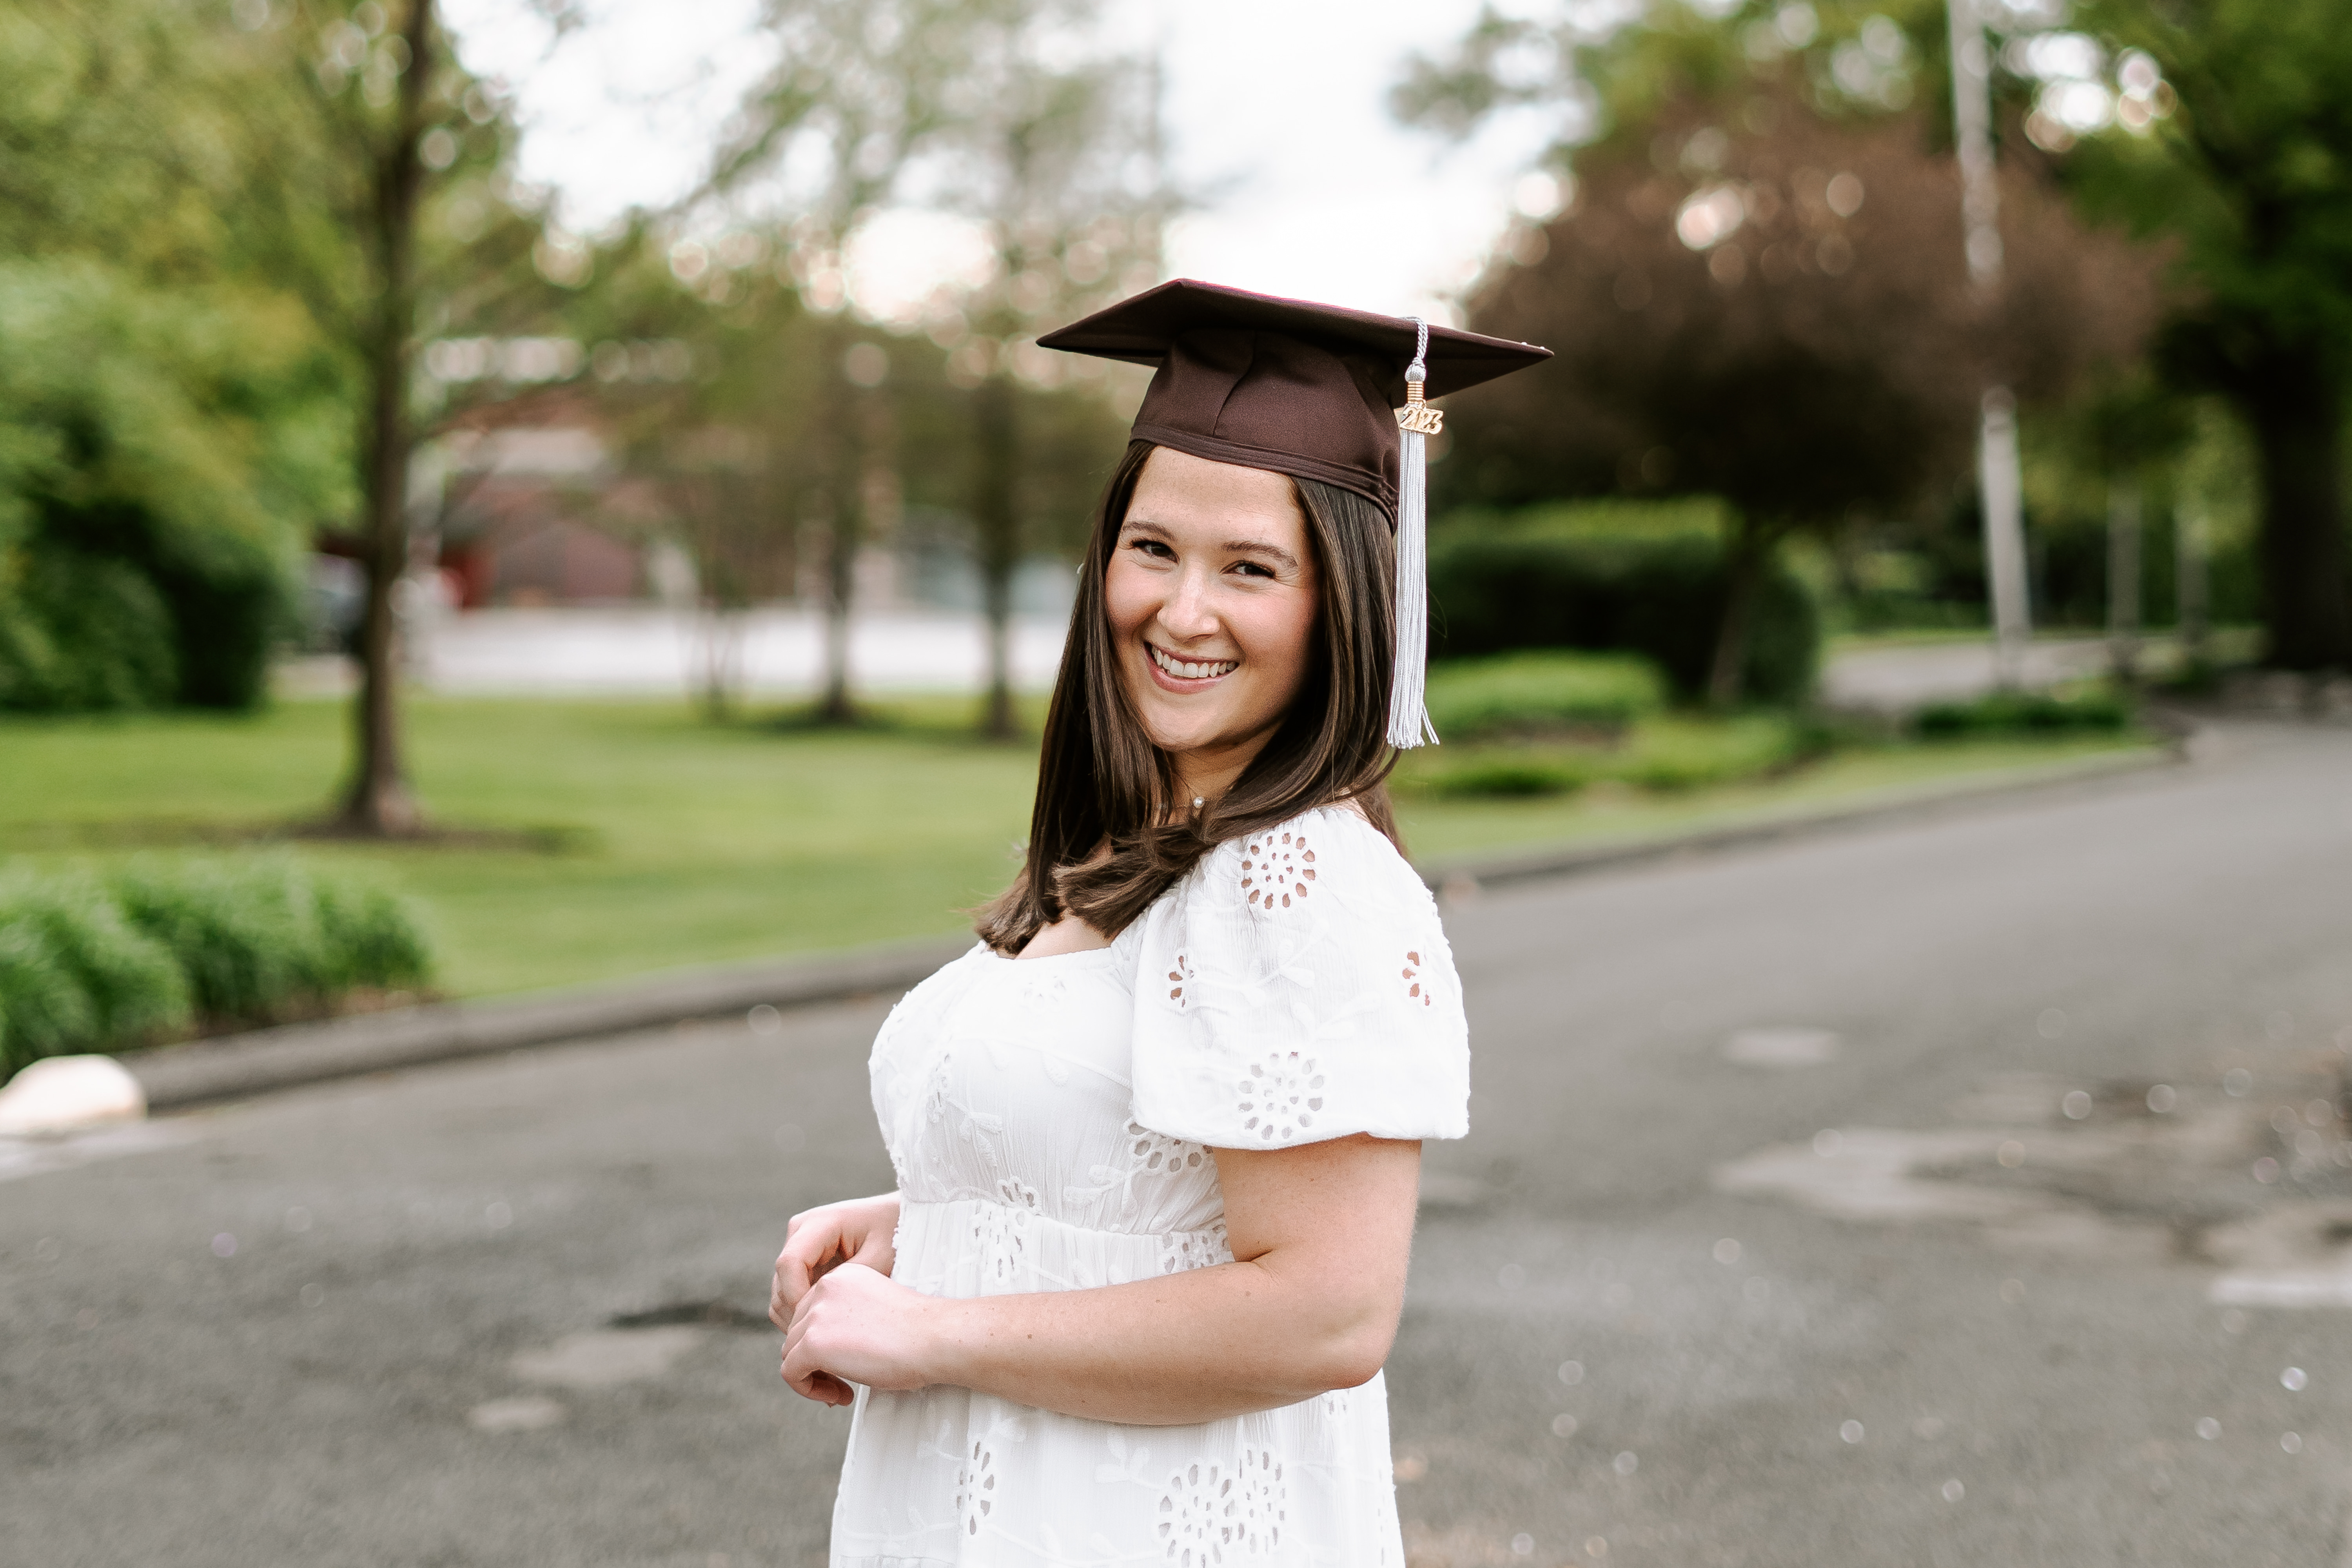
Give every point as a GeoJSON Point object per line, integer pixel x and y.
{"type": "Point", "coordinates": [819, 1240]}
{"type": "Point", "coordinates": [857, 1325]}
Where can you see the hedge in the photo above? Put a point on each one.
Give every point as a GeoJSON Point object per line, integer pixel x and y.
{"type": "Point", "coordinates": [143, 624]}
{"type": "Point", "coordinates": [2096, 711]}
{"type": "Point", "coordinates": [1498, 589]}
{"type": "Point", "coordinates": [1541, 692]}
{"type": "Point", "coordinates": [158, 951]}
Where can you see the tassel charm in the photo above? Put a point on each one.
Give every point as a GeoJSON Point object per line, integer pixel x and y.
{"type": "Point", "coordinates": [1408, 724]}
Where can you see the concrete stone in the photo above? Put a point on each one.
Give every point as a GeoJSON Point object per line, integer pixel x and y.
{"type": "Point", "coordinates": [68, 1094]}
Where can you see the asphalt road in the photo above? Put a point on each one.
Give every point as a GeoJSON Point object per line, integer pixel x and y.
{"type": "Point", "coordinates": [1872, 1292]}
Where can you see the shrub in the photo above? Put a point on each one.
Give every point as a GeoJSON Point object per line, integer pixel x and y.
{"type": "Point", "coordinates": [1499, 589]}
{"type": "Point", "coordinates": [369, 937]}
{"type": "Point", "coordinates": [1535, 693]}
{"type": "Point", "coordinates": [1683, 755]}
{"type": "Point", "coordinates": [262, 938]}
{"type": "Point", "coordinates": [131, 985]}
{"type": "Point", "coordinates": [42, 1012]}
{"type": "Point", "coordinates": [91, 965]}
{"type": "Point", "coordinates": [2024, 712]}
{"type": "Point", "coordinates": [164, 451]}
{"type": "Point", "coordinates": [1510, 777]}
{"type": "Point", "coordinates": [89, 633]}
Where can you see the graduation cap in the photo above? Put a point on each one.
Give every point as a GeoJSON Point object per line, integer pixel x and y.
{"type": "Point", "coordinates": [1310, 390]}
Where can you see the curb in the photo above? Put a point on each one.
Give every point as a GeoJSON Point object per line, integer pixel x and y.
{"type": "Point", "coordinates": [1468, 875]}
{"type": "Point", "coordinates": [236, 1066]}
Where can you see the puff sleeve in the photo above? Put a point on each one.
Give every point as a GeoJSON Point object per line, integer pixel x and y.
{"type": "Point", "coordinates": [1298, 987]}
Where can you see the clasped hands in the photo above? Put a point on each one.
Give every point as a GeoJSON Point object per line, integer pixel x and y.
{"type": "Point", "coordinates": [844, 1319]}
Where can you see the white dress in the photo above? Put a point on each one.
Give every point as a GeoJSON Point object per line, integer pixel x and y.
{"type": "Point", "coordinates": [1050, 1120]}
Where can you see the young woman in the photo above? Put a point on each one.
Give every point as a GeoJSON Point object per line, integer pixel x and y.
{"type": "Point", "coordinates": [1158, 1135]}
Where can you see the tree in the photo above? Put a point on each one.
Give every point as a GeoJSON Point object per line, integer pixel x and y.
{"type": "Point", "coordinates": [2252, 177]}
{"type": "Point", "coordinates": [860, 88]}
{"type": "Point", "coordinates": [1752, 300]}
{"type": "Point", "coordinates": [169, 425]}
{"type": "Point", "coordinates": [1061, 164]}
{"type": "Point", "coordinates": [374, 173]}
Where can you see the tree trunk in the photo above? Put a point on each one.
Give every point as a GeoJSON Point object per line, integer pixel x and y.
{"type": "Point", "coordinates": [2123, 577]}
{"type": "Point", "coordinates": [2297, 413]}
{"type": "Point", "coordinates": [1751, 547]}
{"type": "Point", "coordinates": [845, 476]}
{"type": "Point", "coordinates": [2190, 594]}
{"type": "Point", "coordinates": [995, 417]}
{"type": "Point", "coordinates": [378, 802]}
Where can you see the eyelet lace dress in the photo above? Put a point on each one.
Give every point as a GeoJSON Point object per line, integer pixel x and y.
{"type": "Point", "coordinates": [1050, 1120]}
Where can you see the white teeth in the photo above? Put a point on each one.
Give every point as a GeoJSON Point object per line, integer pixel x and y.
{"type": "Point", "coordinates": [1186, 670]}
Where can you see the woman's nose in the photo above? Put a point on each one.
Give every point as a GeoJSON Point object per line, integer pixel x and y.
{"type": "Point", "coordinates": [1186, 611]}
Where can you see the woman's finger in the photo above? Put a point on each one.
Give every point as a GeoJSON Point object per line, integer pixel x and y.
{"type": "Point", "coordinates": [808, 1380]}
{"type": "Point", "coordinates": [805, 1260]}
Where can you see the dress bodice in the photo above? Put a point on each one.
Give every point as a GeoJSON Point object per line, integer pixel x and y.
{"type": "Point", "coordinates": [1009, 1081]}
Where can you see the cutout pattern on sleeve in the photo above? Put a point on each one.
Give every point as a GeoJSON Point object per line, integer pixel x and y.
{"type": "Point", "coordinates": [1280, 1097]}
{"type": "Point", "coordinates": [1276, 866]}
{"type": "Point", "coordinates": [1309, 994]}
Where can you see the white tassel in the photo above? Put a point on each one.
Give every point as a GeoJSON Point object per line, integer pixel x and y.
{"type": "Point", "coordinates": [1408, 722]}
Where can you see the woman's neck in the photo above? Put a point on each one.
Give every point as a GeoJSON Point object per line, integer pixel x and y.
{"type": "Point", "coordinates": [1204, 776]}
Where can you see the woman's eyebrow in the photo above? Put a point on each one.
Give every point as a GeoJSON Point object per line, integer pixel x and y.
{"type": "Point", "coordinates": [1260, 547]}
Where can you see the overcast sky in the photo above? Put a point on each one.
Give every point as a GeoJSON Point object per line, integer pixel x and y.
{"type": "Point", "coordinates": [1278, 106]}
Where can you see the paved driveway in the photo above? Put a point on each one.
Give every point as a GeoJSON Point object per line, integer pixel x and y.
{"type": "Point", "coordinates": [1819, 1211]}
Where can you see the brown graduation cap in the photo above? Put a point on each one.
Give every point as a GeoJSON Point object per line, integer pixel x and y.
{"type": "Point", "coordinates": [1310, 390]}
{"type": "Point", "coordinates": [1285, 384]}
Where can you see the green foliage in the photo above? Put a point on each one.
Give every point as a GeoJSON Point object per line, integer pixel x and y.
{"type": "Point", "coordinates": [42, 1012]}
{"type": "Point", "coordinates": [84, 632]}
{"type": "Point", "coordinates": [1661, 755]}
{"type": "Point", "coordinates": [156, 474]}
{"type": "Point", "coordinates": [2249, 181]}
{"type": "Point", "coordinates": [260, 938]}
{"type": "Point", "coordinates": [1689, 754]}
{"type": "Point", "coordinates": [1535, 693]}
{"type": "Point", "coordinates": [1506, 776]}
{"type": "Point", "coordinates": [92, 964]}
{"type": "Point", "coordinates": [101, 980]}
{"type": "Point", "coordinates": [1500, 588]}
{"type": "Point", "coordinates": [2092, 711]}
{"type": "Point", "coordinates": [2252, 176]}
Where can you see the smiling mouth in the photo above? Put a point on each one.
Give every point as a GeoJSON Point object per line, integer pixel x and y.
{"type": "Point", "coordinates": [1183, 669]}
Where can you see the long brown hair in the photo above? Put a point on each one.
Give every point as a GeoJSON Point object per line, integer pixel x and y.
{"type": "Point", "coordinates": [1106, 837]}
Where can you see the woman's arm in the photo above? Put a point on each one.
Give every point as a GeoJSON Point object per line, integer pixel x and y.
{"type": "Point", "coordinates": [1321, 1236]}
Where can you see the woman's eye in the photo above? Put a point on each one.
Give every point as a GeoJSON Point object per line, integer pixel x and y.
{"type": "Point", "coordinates": [1252, 568]}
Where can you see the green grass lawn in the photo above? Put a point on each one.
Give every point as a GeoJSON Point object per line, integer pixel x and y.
{"type": "Point", "coordinates": [1608, 814]}
{"type": "Point", "coordinates": [642, 838]}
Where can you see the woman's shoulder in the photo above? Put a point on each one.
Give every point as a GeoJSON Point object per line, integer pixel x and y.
{"type": "Point", "coordinates": [1329, 854]}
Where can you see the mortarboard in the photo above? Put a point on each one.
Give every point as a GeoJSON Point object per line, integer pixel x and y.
{"type": "Point", "coordinates": [1310, 390]}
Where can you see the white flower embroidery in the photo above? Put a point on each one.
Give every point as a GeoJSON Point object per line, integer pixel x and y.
{"type": "Point", "coordinates": [1153, 1152]}
{"type": "Point", "coordinates": [936, 1102]}
{"type": "Point", "coordinates": [1415, 988]}
{"type": "Point", "coordinates": [1181, 973]}
{"type": "Point", "coordinates": [1276, 868]}
{"type": "Point", "coordinates": [976, 1487]}
{"type": "Point", "coordinates": [1003, 1237]}
{"type": "Point", "coordinates": [1264, 1501]}
{"type": "Point", "coordinates": [1279, 1098]}
{"type": "Point", "coordinates": [1186, 1249]}
{"type": "Point", "coordinates": [1197, 1523]}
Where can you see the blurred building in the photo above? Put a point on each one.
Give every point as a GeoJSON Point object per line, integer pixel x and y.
{"type": "Point", "coordinates": [535, 515]}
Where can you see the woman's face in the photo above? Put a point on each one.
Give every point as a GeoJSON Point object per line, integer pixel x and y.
{"type": "Point", "coordinates": [1212, 593]}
